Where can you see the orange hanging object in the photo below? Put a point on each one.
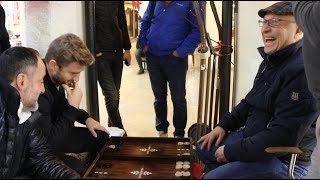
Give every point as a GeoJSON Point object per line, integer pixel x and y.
{"type": "Point", "coordinates": [136, 4]}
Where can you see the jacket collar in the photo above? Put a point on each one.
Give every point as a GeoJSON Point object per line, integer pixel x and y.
{"type": "Point", "coordinates": [281, 55]}
{"type": "Point", "coordinates": [10, 95]}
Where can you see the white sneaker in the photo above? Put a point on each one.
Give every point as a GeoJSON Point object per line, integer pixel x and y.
{"type": "Point", "coordinates": [162, 134]}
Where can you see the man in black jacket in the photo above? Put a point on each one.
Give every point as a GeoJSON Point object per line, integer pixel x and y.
{"type": "Point", "coordinates": [4, 36]}
{"type": "Point", "coordinates": [111, 39]}
{"type": "Point", "coordinates": [24, 150]}
{"type": "Point", "coordinates": [307, 16]}
{"type": "Point", "coordinates": [66, 58]}
{"type": "Point", "coordinates": [279, 110]}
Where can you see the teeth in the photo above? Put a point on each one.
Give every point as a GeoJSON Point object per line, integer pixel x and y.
{"type": "Point", "coordinates": [269, 39]}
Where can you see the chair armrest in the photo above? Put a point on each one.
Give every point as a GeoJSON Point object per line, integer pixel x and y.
{"type": "Point", "coordinates": [294, 151]}
{"type": "Point", "coordinates": [287, 150]}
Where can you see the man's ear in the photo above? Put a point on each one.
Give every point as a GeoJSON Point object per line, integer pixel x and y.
{"type": "Point", "coordinates": [53, 65]}
{"type": "Point", "coordinates": [22, 81]}
{"type": "Point", "coordinates": [299, 33]}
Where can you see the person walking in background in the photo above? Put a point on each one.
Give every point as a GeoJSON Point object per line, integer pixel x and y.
{"type": "Point", "coordinates": [307, 15]}
{"type": "Point", "coordinates": [167, 36]}
{"type": "Point", "coordinates": [4, 36]}
{"type": "Point", "coordinates": [112, 48]}
{"type": "Point", "coordinates": [139, 54]}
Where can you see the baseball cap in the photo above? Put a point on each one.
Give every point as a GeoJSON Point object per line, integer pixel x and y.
{"type": "Point", "coordinates": [279, 8]}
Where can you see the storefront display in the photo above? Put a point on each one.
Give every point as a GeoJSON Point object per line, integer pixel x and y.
{"type": "Point", "coordinates": [13, 23]}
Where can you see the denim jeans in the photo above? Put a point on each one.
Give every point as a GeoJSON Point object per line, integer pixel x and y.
{"type": "Point", "coordinates": [110, 65]}
{"type": "Point", "coordinates": [172, 70]}
{"type": "Point", "coordinates": [269, 169]}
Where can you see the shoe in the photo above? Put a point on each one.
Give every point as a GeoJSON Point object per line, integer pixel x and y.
{"type": "Point", "coordinates": [141, 71]}
{"type": "Point", "coordinates": [162, 134]}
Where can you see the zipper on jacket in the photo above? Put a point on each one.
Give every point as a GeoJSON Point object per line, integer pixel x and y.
{"type": "Point", "coordinates": [268, 125]}
{"type": "Point", "coordinates": [263, 70]}
{"type": "Point", "coordinates": [265, 66]}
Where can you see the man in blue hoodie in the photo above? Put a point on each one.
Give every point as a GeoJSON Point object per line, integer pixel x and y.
{"type": "Point", "coordinates": [168, 34]}
{"type": "Point", "coordinates": [279, 110]}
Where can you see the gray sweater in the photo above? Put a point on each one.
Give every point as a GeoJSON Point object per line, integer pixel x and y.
{"type": "Point", "coordinates": [307, 15]}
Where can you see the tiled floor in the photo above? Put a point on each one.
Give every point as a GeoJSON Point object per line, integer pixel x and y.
{"type": "Point", "coordinates": [136, 100]}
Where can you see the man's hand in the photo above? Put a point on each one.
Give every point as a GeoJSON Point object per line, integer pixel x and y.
{"type": "Point", "coordinates": [93, 125]}
{"type": "Point", "coordinates": [175, 54]}
{"type": "Point", "coordinates": [74, 94]}
{"type": "Point", "coordinates": [220, 155]}
{"type": "Point", "coordinates": [207, 140]}
{"type": "Point", "coordinates": [127, 56]}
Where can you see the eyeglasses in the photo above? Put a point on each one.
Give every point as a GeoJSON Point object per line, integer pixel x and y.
{"type": "Point", "coordinates": [273, 22]}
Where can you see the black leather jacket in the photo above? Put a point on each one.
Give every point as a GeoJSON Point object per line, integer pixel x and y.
{"type": "Point", "coordinates": [4, 36]}
{"type": "Point", "coordinates": [111, 27]}
{"type": "Point", "coordinates": [23, 148]}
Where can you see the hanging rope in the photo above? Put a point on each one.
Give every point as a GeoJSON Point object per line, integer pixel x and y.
{"type": "Point", "coordinates": [219, 47]}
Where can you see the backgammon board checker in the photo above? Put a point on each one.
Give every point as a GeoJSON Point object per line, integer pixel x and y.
{"type": "Point", "coordinates": [143, 158]}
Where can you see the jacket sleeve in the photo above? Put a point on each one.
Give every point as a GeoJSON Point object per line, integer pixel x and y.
{"type": "Point", "coordinates": [192, 41]}
{"type": "Point", "coordinates": [295, 111]}
{"type": "Point", "coordinates": [123, 27]}
{"type": "Point", "coordinates": [307, 15]}
{"type": "Point", "coordinates": [56, 129]}
{"type": "Point", "coordinates": [41, 161]}
{"type": "Point", "coordinates": [235, 119]}
{"type": "Point", "coordinates": [144, 26]}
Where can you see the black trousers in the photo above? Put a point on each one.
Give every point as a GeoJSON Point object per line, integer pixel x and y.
{"type": "Point", "coordinates": [81, 140]}
{"type": "Point", "coordinates": [110, 66]}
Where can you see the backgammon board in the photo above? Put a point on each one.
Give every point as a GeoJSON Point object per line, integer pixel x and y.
{"type": "Point", "coordinates": [143, 158]}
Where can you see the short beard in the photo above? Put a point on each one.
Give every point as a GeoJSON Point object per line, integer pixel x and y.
{"type": "Point", "coordinates": [33, 108]}
{"type": "Point", "coordinates": [57, 79]}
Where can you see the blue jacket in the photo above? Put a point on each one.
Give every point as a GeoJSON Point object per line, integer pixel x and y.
{"type": "Point", "coordinates": [279, 110]}
{"type": "Point", "coordinates": [170, 29]}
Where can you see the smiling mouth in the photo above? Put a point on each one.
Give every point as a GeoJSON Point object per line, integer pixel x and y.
{"type": "Point", "coordinates": [269, 40]}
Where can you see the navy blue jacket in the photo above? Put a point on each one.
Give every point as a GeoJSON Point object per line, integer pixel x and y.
{"type": "Point", "coordinates": [278, 111]}
{"type": "Point", "coordinates": [173, 28]}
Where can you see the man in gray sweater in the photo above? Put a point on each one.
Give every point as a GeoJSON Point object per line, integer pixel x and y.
{"type": "Point", "coordinates": [307, 15]}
